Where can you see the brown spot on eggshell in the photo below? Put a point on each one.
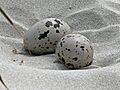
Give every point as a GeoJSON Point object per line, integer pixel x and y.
{"type": "Point", "coordinates": [75, 58]}
{"type": "Point", "coordinates": [76, 45]}
{"type": "Point", "coordinates": [56, 25]}
{"type": "Point", "coordinates": [58, 21]}
{"type": "Point", "coordinates": [70, 66]}
{"type": "Point", "coordinates": [63, 60]}
{"type": "Point", "coordinates": [57, 31]}
{"type": "Point", "coordinates": [48, 24]}
{"type": "Point", "coordinates": [43, 35]}
{"type": "Point", "coordinates": [50, 42]}
{"type": "Point", "coordinates": [88, 56]}
{"type": "Point", "coordinates": [87, 50]}
{"type": "Point", "coordinates": [67, 49]}
{"type": "Point", "coordinates": [70, 8]}
{"type": "Point", "coordinates": [59, 55]}
{"type": "Point", "coordinates": [91, 47]}
{"type": "Point", "coordinates": [47, 47]}
{"type": "Point", "coordinates": [61, 44]}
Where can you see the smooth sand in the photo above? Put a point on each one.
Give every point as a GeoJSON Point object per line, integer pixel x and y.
{"type": "Point", "coordinates": [98, 20]}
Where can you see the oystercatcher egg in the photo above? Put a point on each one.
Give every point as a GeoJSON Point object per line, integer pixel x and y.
{"type": "Point", "coordinates": [42, 37]}
{"type": "Point", "coordinates": [74, 51]}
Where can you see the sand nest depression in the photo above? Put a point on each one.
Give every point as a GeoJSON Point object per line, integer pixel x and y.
{"type": "Point", "coordinates": [98, 20]}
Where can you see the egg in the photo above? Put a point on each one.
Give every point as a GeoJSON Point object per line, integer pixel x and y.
{"type": "Point", "coordinates": [74, 51]}
{"type": "Point", "coordinates": [42, 37]}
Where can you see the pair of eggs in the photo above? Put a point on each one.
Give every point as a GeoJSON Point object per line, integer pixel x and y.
{"type": "Point", "coordinates": [53, 35]}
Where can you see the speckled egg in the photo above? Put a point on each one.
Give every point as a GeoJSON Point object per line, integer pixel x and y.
{"type": "Point", "coordinates": [74, 51]}
{"type": "Point", "coordinates": [42, 37]}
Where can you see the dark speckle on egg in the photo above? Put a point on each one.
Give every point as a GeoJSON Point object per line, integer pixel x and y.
{"type": "Point", "coordinates": [58, 21]}
{"type": "Point", "coordinates": [54, 44]}
{"type": "Point", "coordinates": [48, 39]}
{"type": "Point", "coordinates": [82, 48]}
{"type": "Point", "coordinates": [69, 36]}
{"type": "Point", "coordinates": [76, 45]}
{"type": "Point", "coordinates": [71, 66]}
{"type": "Point", "coordinates": [47, 47]}
{"type": "Point", "coordinates": [59, 55]}
{"type": "Point", "coordinates": [57, 31]}
{"type": "Point", "coordinates": [56, 25]}
{"type": "Point", "coordinates": [48, 24]}
{"type": "Point", "coordinates": [91, 47]}
{"type": "Point", "coordinates": [70, 8]}
{"type": "Point", "coordinates": [62, 53]}
{"type": "Point", "coordinates": [63, 41]}
{"type": "Point", "coordinates": [61, 44]}
{"type": "Point", "coordinates": [67, 49]}
{"type": "Point", "coordinates": [75, 58]}
{"type": "Point", "coordinates": [88, 56]}
{"type": "Point", "coordinates": [43, 35]}
{"type": "Point", "coordinates": [76, 41]}
{"type": "Point", "coordinates": [63, 38]}
{"type": "Point", "coordinates": [50, 42]}
{"type": "Point", "coordinates": [87, 50]}
{"type": "Point", "coordinates": [63, 60]}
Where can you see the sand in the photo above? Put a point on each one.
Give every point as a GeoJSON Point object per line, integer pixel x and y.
{"type": "Point", "coordinates": [98, 20]}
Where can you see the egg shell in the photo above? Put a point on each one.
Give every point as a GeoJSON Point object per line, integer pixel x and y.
{"type": "Point", "coordinates": [42, 37]}
{"type": "Point", "coordinates": [74, 51]}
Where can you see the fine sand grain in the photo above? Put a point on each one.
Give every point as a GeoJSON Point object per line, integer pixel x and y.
{"type": "Point", "coordinates": [98, 20]}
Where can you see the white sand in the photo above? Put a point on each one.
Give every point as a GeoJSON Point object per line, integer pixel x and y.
{"type": "Point", "coordinates": [98, 20]}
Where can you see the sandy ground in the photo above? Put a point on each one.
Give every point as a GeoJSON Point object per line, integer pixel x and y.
{"type": "Point", "coordinates": [98, 20]}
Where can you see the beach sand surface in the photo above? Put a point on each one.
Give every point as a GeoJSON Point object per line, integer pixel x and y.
{"type": "Point", "coordinates": [98, 20]}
